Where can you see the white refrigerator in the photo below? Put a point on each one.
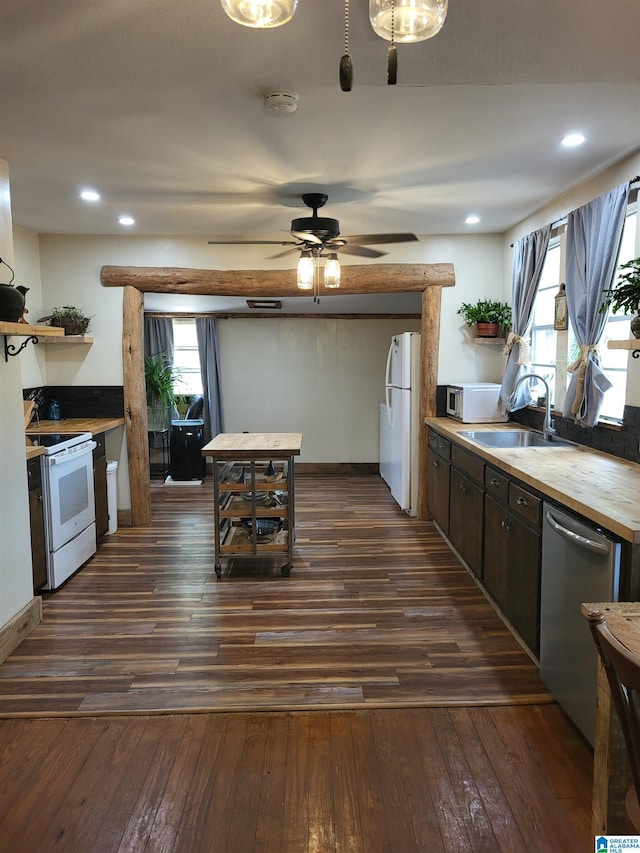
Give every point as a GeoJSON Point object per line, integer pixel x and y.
{"type": "Point", "coordinates": [400, 420]}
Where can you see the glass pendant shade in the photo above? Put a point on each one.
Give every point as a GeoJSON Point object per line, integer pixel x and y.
{"type": "Point", "coordinates": [260, 13]}
{"type": "Point", "coordinates": [332, 271]}
{"type": "Point", "coordinates": [413, 20]}
{"type": "Point", "coordinates": [306, 269]}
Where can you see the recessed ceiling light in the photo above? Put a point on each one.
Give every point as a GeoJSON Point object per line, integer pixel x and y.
{"type": "Point", "coordinates": [90, 195]}
{"type": "Point", "coordinates": [473, 219]}
{"type": "Point", "coordinates": [573, 139]}
{"type": "Point", "coordinates": [126, 220]}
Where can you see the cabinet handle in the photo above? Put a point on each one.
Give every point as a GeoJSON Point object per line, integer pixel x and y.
{"type": "Point", "coordinates": [494, 482]}
{"type": "Point", "coordinates": [463, 488]}
{"type": "Point", "coordinates": [506, 526]}
{"type": "Point", "coordinates": [436, 464]}
{"type": "Point", "coordinates": [522, 501]}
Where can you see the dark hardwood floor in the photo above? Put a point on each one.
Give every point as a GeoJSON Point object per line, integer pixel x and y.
{"type": "Point", "coordinates": [371, 702]}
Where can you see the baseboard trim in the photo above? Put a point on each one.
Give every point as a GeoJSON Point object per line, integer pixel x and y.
{"type": "Point", "coordinates": [19, 627]}
{"type": "Point", "coordinates": [331, 469]}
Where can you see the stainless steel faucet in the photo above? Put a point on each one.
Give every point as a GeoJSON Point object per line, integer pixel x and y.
{"type": "Point", "coordinates": [548, 430]}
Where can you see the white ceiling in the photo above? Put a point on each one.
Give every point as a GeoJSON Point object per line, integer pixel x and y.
{"type": "Point", "coordinates": [158, 105]}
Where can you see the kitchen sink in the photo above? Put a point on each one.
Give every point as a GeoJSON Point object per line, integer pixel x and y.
{"type": "Point", "coordinates": [515, 438]}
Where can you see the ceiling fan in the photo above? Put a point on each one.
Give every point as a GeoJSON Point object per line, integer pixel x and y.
{"type": "Point", "coordinates": [317, 234]}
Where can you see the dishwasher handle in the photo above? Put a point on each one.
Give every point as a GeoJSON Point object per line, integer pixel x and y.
{"type": "Point", "coordinates": [580, 541]}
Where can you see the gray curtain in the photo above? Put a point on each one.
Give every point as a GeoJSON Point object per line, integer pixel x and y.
{"type": "Point", "coordinates": [158, 335]}
{"type": "Point", "coordinates": [207, 333]}
{"type": "Point", "coordinates": [594, 233]}
{"type": "Point", "coordinates": [529, 255]}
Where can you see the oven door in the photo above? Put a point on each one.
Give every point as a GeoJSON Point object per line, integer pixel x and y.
{"type": "Point", "coordinates": [70, 498]}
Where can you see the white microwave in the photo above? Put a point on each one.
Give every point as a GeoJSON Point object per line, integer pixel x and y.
{"type": "Point", "coordinates": [475, 403]}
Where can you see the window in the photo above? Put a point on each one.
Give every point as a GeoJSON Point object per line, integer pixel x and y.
{"type": "Point", "coordinates": [185, 356]}
{"type": "Point", "coordinates": [614, 362]}
{"type": "Point", "coordinates": [552, 351]}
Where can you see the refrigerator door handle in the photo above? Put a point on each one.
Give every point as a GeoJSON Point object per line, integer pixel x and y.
{"type": "Point", "coordinates": [387, 383]}
{"type": "Point", "coordinates": [580, 541]}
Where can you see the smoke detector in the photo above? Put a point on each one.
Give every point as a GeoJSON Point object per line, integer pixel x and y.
{"type": "Point", "coordinates": [281, 102]}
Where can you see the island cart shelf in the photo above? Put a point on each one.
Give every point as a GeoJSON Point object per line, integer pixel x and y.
{"type": "Point", "coordinates": [253, 493]}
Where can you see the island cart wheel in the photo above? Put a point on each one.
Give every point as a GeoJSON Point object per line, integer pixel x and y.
{"type": "Point", "coordinates": [218, 572]}
{"type": "Point", "coordinates": [286, 570]}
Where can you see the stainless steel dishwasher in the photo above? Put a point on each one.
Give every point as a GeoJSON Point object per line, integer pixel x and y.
{"type": "Point", "coordinates": [579, 563]}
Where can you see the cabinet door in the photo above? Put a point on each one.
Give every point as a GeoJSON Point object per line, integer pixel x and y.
{"type": "Point", "coordinates": [100, 489]}
{"type": "Point", "coordinates": [466, 520]}
{"type": "Point", "coordinates": [496, 552]}
{"type": "Point", "coordinates": [38, 546]}
{"type": "Point", "coordinates": [524, 584]}
{"type": "Point", "coordinates": [438, 490]}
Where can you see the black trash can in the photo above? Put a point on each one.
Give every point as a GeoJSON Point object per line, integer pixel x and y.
{"type": "Point", "coordinates": [186, 462]}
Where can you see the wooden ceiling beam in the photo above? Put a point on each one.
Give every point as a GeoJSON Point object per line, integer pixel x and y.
{"type": "Point", "coordinates": [355, 279]}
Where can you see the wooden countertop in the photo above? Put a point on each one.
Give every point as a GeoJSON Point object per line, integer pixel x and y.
{"type": "Point", "coordinates": [623, 620]}
{"type": "Point", "coordinates": [33, 452]}
{"type": "Point", "coordinates": [256, 445]}
{"type": "Point", "coordinates": [93, 425]}
{"type": "Point", "coordinates": [598, 486]}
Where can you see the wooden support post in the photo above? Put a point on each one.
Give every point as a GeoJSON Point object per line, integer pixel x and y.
{"type": "Point", "coordinates": [430, 343]}
{"type": "Point", "coordinates": [135, 405]}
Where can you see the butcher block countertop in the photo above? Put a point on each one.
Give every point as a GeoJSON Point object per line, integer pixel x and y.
{"type": "Point", "coordinates": [93, 425]}
{"type": "Point", "coordinates": [253, 445]}
{"type": "Point", "coordinates": [601, 487]}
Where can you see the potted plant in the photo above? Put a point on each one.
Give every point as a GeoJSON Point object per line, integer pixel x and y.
{"type": "Point", "coordinates": [489, 316]}
{"type": "Point", "coordinates": [73, 320]}
{"type": "Point", "coordinates": [160, 377]}
{"type": "Point", "coordinates": [625, 294]}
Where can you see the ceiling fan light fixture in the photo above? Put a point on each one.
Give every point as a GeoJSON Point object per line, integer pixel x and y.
{"type": "Point", "coordinates": [410, 20]}
{"type": "Point", "coordinates": [306, 270]}
{"type": "Point", "coordinates": [332, 271]}
{"type": "Point", "coordinates": [260, 14]}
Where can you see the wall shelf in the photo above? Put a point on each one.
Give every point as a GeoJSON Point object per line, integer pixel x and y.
{"type": "Point", "coordinates": [632, 344]}
{"type": "Point", "coordinates": [488, 341]}
{"type": "Point", "coordinates": [68, 339]}
{"type": "Point", "coordinates": [28, 331]}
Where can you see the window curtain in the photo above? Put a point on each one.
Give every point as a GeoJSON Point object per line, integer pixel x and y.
{"type": "Point", "coordinates": [529, 255]}
{"type": "Point", "coordinates": [158, 335]}
{"type": "Point", "coordinates": [594, 233]}
{"type": "Point", "coordinates": [207, 334]}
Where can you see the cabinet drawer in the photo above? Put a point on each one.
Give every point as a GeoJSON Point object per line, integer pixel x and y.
{"type": "Point", "coordinates": [439, 444]}
{"type": "Point", "coordinates": [469, 464]}
{"type": "Point", "coordinates": [525, 504]}
{"type": "Point", "coordinates": [496, 485]}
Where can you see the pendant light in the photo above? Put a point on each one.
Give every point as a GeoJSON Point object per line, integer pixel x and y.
{"type": "Point", "coordinates": [260, 14]}
{"type": "Point", "coordinates": [414, 20]}
{"type": "Point", "coordinates": [306, 269]}
{"type": "Point", "coordinates": [332, 271]}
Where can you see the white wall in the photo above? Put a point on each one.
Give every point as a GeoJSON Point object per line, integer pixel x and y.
{"type": "Point", "coordinates": [16, 580]}
{"type": "Point", "coordinates": [621, 172]}
{"type": "Point", "coordinates": [26, 249]}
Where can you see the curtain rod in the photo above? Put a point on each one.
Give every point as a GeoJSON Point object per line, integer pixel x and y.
{"type": "Point", "coordinates": [563, 220]}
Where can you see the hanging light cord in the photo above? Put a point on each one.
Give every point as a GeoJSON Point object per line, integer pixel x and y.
{"type": "Point", "coordinates": [346, 64]}
{"type": "Point", "coordinates": [392, 53]}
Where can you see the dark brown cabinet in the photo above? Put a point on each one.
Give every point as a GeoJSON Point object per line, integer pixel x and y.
{"type": "Point", "coordinates": [36, 519]}
{"type": "Point", "coordinates": [100, 485]}
{"type": "Point", "coordinates": [465, 520]}
{"type": "Point", "coordinates": [438, 467]}
{"type": "Point", "coordinates": [512, 547]}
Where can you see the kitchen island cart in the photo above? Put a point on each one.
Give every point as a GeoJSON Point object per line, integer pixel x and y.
{"type": "Point", "coordinates": [253, 493]}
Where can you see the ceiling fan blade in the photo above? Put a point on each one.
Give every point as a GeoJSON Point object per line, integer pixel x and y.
{"type": "Point", "coordinates": [252, 242]}
{"type": "Point", "coordinates": [307, 237]}
{"type": "Point", "coordinates": [362, 251]}
{"type": "Point", "coordinates": [373, 239]}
